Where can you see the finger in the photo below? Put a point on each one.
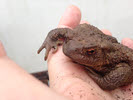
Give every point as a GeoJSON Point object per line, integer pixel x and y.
{"type": "Point", "coordinates": [128, 42]}
{"type": "Point", "coordinates": [71, 17]}
{"type": "Point", "coordinates": [2, 50]}
{"type": "Point", "coordinates": [107, 32]}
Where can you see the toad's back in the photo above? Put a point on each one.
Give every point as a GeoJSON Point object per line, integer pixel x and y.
{"type": "Point", "coordinates": [89, 32]}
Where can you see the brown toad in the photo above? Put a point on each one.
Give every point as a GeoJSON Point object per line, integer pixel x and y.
{"type": "Point", "coordinates": [110, 64]}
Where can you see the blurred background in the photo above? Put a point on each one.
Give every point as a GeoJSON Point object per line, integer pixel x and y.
{"type": "Point", "coordinates": [24, 24]}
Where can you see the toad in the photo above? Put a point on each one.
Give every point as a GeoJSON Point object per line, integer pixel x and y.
{"type": "Point", "coordinates": [108, 63]}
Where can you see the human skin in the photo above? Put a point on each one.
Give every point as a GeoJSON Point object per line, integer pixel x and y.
{"type": "Point", "coordinates": [66, 78]}
{"type": "Point", "coordinates": [17, 84]}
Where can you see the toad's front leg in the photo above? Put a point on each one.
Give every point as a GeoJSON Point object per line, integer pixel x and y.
{"type": "Point", "coordinates": [54, 38]}
{"type": "Point", "coordinates": [121, 76]}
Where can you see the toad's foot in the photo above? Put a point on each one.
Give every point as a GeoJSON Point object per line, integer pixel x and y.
{"type": "Point", "coordinates": [121, 76]}
{"type": "Point", "coordinates": [55, 38]}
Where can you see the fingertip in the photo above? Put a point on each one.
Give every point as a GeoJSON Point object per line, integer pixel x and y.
{"type": "Point", "coordinates": [71, 17]}
{"type": "Point", "coordinates": [73, 7]}
{"type": "Point", "coordinates": [127, 42]}
{"type": "Point", "coordinates": [107, 32]}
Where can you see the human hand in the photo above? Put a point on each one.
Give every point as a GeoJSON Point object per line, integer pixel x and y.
{"type": "Point", "coordinates": [66, 78]}
{"type": "Point", "coordinates": [69, 78]}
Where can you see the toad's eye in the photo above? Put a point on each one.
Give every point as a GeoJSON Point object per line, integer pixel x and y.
{"type": "Point", "coordinates": [90, 51]}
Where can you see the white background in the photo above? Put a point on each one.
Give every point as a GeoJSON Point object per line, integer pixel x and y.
{"type": "Point", "coordinates": [24, 24]}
